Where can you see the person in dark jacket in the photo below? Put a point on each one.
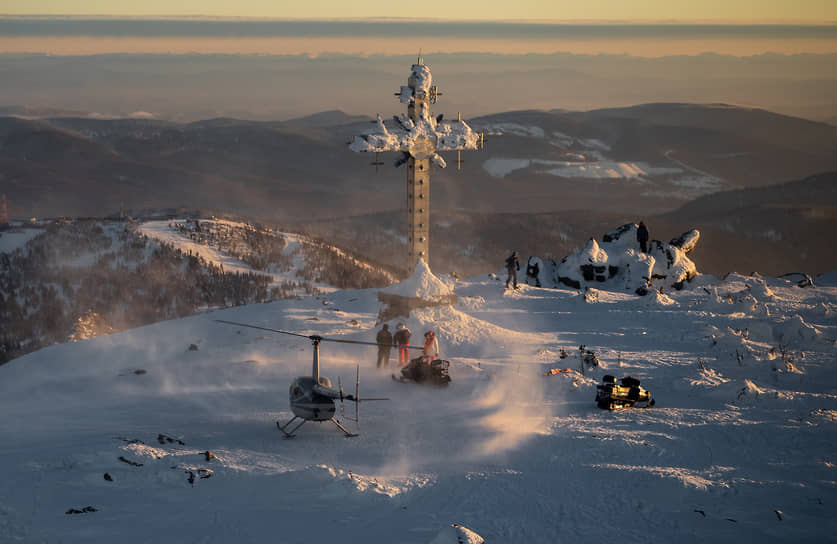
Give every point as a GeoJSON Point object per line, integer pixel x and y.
{"type": "Point", "coordinates": [384, 340]}
{"type": "Point", "coordinates": [642, 237]}
{"type": "Point", "coordinates": [402, 340]}
{"type": "Point", "coordinates": [512, 266]}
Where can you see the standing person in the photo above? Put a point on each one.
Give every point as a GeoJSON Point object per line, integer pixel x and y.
{"type": "Point", "coordinates": [384, 340]}
{"type": "Point", "coordinates": [402, 340]}
{"type": "Point", "coordinates": [431, 346]}
{"type": "Point", "coordinates": [512, 266]}
{"type": "Point", "coordinates": [642, 237]}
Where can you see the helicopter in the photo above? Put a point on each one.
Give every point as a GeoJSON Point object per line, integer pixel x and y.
{"type": "Point", "coordinates": [312, 397]}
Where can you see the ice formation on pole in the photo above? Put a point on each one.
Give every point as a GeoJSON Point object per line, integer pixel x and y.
{"type": "Point", "coordinates": [422, 137]}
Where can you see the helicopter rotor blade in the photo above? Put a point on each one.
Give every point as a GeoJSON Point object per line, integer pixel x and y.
{"type": "Point", "coordinates": [309, 336]}
{"type": "Point", "coordinates": [364, 399]}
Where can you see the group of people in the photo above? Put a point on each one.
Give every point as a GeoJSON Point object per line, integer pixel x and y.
{"type": "Point", "coordinates": [401, 340]}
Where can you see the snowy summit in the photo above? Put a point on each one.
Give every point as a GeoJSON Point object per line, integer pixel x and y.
{"type": "Point", "coordinates": [167, 433]}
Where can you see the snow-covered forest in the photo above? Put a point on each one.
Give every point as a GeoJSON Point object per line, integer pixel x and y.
{"type": "Point", "coordinates": [77, 279]}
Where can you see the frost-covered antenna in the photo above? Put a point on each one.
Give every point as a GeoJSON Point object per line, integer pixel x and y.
{"type": "Point", "coordinates": [419, 136]}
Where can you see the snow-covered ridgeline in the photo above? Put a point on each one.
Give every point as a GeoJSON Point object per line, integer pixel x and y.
{"type": "Point", "coordinates": [170, 232]}
{"type": "Point", "coordinates": [586, 158]}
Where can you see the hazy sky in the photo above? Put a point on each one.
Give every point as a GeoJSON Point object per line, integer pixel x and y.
{"type": "Point", "coordinates": [741, 11]}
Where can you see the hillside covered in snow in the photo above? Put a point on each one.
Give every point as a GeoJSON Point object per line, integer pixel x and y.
{"type": "Point", "coordinates": [74, 279]}
{"type": "Point", "coordinates": [167, 432]}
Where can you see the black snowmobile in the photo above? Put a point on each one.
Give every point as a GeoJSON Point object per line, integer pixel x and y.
{"type": "Point", "coordinates": [420, 370]}
{"type": "Point", "coordinates": [613, 396]}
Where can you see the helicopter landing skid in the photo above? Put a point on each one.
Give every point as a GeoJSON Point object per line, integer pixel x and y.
{"type": "Point", "coordinates": [290, 433]}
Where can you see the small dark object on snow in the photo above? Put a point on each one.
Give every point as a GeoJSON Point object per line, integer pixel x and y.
{"type": "Point", "coordinates": [209, 455]}
{"type": "Point", "coordinates": [611, 396]}
{"type": "Point", "coordinates": [162, 439]}
{"type": "Point", "coordinates": [801, 280]}
{"type": "Point", "coordinates": [139, 372]}
{"type": "Point", "coordinates": [85, 510]}
{"type": "Point", "coordinates": [128, 461]}
{"type": "Point", "coordinates": [191, 478]}
{"type": "Point", "coordinates": [108, 477]}
{"type": "Point", "coordinates": [205, 473]}
{"type": "Point", "coordinates": [590, 359]}
{"type": "Point", "coordinates": [193, 347]}
{"type": "Point", "coordinates": [701, 512]}
{"type": "Point", "coordinates": [419, 370]}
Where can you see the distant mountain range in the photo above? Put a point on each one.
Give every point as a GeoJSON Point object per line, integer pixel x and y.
{"type": "Point", "coordinates": [586, 170]}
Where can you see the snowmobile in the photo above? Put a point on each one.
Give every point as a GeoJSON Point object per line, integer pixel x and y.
{"type": "Point", "coordinates": [613, 396]}
{"type": "Point", "coordinates": [424, 371]}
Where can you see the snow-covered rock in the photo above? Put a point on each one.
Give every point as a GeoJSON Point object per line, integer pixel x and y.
{"type": "Point", "coordinates": [457, 534]}
{"type": "Point", "coordinates": [618, 263]}
{"type": "Point", "coordinates": [686, 241]}
{"type": "Point", "coordinates": [539, 272]}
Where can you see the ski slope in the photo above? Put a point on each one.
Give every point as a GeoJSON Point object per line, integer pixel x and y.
{"type": "Point", "coordinates": [167, 232]}
{"type": "Point", "coordinates": [740, 446]}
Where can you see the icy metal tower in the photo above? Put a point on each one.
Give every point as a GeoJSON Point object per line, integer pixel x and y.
{"type": "Point", "coordinates": [419, 136]}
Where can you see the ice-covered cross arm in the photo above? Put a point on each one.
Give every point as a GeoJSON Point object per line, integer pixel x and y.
{"type": "Point", "coordinates": [418, 133]}
{"type": "Point", "coordinates": [422, 138]}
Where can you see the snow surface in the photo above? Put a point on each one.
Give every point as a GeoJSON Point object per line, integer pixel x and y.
{"type": "Point", "coordinates": [584, 158]}
{"type": "Point", "coordinates": [600, 169]}
{"type": "Point", "coordinates": [10, 240]}
{"type": "Point", "coordinates": [740, 446]}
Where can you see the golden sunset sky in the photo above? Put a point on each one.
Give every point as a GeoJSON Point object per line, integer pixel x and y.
{"type": "Point", "coordinates": [738, 11]}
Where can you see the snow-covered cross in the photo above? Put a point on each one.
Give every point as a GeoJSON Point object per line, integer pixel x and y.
{"type": "Point", "coordinates": [419, 136]}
